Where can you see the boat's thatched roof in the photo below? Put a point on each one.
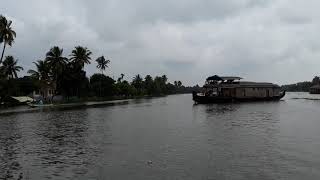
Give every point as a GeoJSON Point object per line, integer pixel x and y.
{"type": "Point", "coordinates": [214, 78]}
{"type": "Point", "coordinates": [257, 84]}
{"type": "Point", "coordinates": [244, 84]}
{"type": "Point", "coordinates": [223, 78]}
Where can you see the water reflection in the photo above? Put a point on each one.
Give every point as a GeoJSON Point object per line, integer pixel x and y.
{"type": "Point", "coordinates": [242, 138]}
{"type": "Point", "coordinates": [275, 140]}
{"type": "Point", "coordinates": [221, 108]}
{"type": "Point", "coordinates": [10, 137]}
{"type": "Point", "coordinates": [63, 140]}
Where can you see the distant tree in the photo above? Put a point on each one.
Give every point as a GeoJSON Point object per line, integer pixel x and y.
{"type": "Point", "coordinates": [7, 34]}
{"type": "Point", "coordinates": [120, 78]}
{"type": "Point", "coordinates": [164, 79]}
{"type": "Point", "coordinates": [149, 85]}
{"type": "Point", "coordinates": [125, 89]}
{"type": "Point", "coordinates": [102, 63]}
{"type": "Point", "coordinates": [137, 82]}
{"type": "Point", "coordinates": [158, 86]}
{"type": "Point", "coordinates": [102, 85]}
{"type": "Point", "coordinates": [80, 56]}
{"type": "Point", "coordinates": [177, 83]}
{"type": "Point", "coordinates": [298, 87]}
{"type": "Point", "coordinates": [10, 67]}
{"type": "Point", "coordinates": [74, 82]}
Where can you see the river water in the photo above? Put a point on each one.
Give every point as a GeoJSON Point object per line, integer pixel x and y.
{"type": "Point", "coordinates": [165, 138]}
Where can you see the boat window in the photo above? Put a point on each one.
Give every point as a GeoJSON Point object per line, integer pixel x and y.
{"type": "Point", "coordinates": [214, 91]}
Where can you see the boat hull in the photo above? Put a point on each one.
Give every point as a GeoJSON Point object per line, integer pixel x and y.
{"type": "Point", "coordinates": [219, 99]}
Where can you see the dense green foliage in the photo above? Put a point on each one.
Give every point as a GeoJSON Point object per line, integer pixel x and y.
{"type": "Point", "coordinates": [298, 87]}
{"type": "Point", "coordinates": [302, 86]}
{"type": "Point", "coordinates": [66, 77]}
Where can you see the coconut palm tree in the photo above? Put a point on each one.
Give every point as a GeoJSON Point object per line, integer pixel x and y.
{"type": "Point", "coordinates": [42, 72]}
{"type": "Point", "coordinates": [42, 77]}
{"type": "Point", "coordinates": [137, 82]}
{"type": "Point", "coordinates": [80, 56]}
{"type": "Point", "coordinates": [120, 78]}
{"type": "Point", "coordinates": [2, 26]}
{"type": "Point", "coordinates": [7, 35]}
{"type": "Point", "coordinates": [9, 67]}
{"type": "Point", "coordinates": [57, 64]}
{"type": "Point", "coordinates": [102, 63]}
{"type": "Point", "coordinates": [56, 61]}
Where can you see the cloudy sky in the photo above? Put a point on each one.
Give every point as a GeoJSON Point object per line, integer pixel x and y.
{"type": "Point", "coordinates": [188, 40]}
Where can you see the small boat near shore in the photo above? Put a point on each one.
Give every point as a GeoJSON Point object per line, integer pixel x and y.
{"type": "Point", "coordinates": [34, 105]}
{"type": "Point", "coordinates": [222, 89]}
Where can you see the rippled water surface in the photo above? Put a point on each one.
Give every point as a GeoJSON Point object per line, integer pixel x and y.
{"type": "Point", "coordinates": [165, 138]}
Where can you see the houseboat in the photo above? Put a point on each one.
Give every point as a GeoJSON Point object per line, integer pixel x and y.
{"type": "Point", "coordinates": [315, 89]}
{"type": "Point", "coordinates": [220, 89]}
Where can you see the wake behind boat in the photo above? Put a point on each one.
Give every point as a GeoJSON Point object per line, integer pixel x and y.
{"type": "Point", "coordinates": [230, 89]}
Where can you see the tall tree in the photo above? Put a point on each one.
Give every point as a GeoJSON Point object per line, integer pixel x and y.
{"type": "Point", "coordinates": [149, 84]}
{"type": "Point", "coordinates": [137, 82]}
{"type": "Point", "coordinates": [56, 61]}
{"type": "Point", "coordinates": [10, 67]}
{"type": "Point", "coordinates": [164, 78]}
{"type": "Point", "coordinates": [57, 64]}
{"type": "Point", "coordinates": [102, 63]}
{"type": "Point", "coordinates": [7, 34]}
{"type": "Point", "coordinates": [80, 56]}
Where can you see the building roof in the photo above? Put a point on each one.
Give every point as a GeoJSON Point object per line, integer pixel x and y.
{"type": "Point", "coordinates": [22, 99]}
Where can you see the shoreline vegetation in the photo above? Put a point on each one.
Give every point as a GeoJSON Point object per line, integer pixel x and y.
{"type": "Point", "coordinates": [297, 87]}
{"type": "Point", "coordinates": [302, 86]}
{"type": "Point", "coordinates": [60, 77]}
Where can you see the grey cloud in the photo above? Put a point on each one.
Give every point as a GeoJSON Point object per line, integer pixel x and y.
{"type": "Point", "coordinates": [263, 40]}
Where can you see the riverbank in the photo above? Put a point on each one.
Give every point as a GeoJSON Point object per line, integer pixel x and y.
{"type": "Point", "coordinates": [92, 102]}
{"type": "Point", "coordinates": [61, 106]}
{"type": "Point", "coordinates": [110, 98]}
{"type": "Point", "coordinates": [72, 100]}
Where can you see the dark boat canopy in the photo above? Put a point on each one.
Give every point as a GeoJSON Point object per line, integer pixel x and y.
{"type": "Point", "coordinates": [214, 78]}
{"type": "Point", "coordinates": [223, 78]}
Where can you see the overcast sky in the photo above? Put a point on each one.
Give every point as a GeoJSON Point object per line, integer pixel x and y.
{"type": "Point", "coordinates": [188, 40]}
